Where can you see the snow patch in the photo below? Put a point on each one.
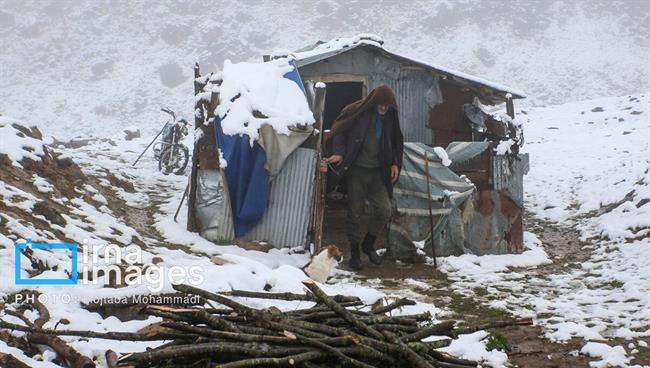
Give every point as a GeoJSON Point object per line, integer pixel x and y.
{"type": "Point", "coordinates": [612, 356]}
{"type": "Point", "coordinates": [504, 147]}
{"type": "Point", "coordinates": [483, 268]}
{"type": "Point", "coordinates": [442, 154]}
{"type": "Point", "coordinates": [472, 347]}
{"type": "Point", "coordinates": [16, 144]}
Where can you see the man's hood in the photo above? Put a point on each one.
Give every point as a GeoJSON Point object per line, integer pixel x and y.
{"type": "Point", "coordinates": [382, 95]}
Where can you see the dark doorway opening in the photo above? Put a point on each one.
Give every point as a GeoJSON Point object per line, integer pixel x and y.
{"type": "Point", "coordinates": [337, 96]}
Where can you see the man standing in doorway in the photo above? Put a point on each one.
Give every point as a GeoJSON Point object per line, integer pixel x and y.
{"type": "Point", "coordinates": [367, 149]}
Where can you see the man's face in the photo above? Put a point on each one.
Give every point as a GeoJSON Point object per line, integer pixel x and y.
{"type": "Point", "coordinates": [382, 109]}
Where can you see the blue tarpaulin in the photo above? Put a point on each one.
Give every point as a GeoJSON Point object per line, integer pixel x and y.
{"type": "Point", "coordinates": [248, 180]}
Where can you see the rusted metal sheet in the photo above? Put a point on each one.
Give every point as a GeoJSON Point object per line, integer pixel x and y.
{"type": "Point", "coordinates": [447, 118]}
{"type": "Point", "coordinates": [493, 224]}
{"type": "Point", "coordinates": [286, 220]}
{"type": "Point", "coordinates": [493, 219]}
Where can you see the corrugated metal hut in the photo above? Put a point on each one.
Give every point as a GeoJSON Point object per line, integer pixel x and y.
{"type": "Point", "coordinates": [437, 106]}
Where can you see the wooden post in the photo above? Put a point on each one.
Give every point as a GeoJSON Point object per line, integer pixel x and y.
{"type": "Point", "coordinates": [192, 223]}
{"type": "Point", "coordinates": [510, 107]}
{"type": "Point", "coordinates": [187, 187]}
{"type": "Point", "coordinates": [321, 176]}
{"type": "Point", "coordinates": [197, 74]}
{"type": "Point", "coordinates": [433, 246]}
{"type": "Point", "coordinates": [198, 120]}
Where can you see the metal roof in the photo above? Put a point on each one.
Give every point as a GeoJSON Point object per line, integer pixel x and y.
{"type": "Point", "coordinates": [455, 75]}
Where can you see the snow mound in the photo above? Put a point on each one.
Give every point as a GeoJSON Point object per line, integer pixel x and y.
{"type": "Point", "coordinates": [472, 347]}
{"type": "Point", "coordinates": [442, 154]}
{"type": "Point", "coordinates": [612, 356]}
{"type": "Point", "coordinates": [504, 147]}
{"type": "Point", "coordinates": [253, 94]}
{"type": "Point", "coordinates": [484, 268]}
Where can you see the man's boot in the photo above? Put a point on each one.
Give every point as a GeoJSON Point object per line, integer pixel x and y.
{"type": "Point", "coordinates": [368, 247]}
{"type": "Point", "coordinates": [355, 256]}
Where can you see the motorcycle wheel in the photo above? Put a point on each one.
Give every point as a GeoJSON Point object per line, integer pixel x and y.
{"type": "Point", "coordinates": [173, 159]}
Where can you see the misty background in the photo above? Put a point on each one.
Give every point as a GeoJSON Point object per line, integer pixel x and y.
{"type": "Point", "coordinates": [95, 67]}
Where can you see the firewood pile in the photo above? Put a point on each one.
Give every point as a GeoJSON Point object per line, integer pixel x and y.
{"type": "Point", "coordinates": [336, 331]}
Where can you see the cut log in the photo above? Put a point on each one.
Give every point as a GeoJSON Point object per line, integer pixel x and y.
{"type": "Point", "coordinates": [10, 361]}
{"type": "Point", "coordinates": [344, 313]}
{"type": "Point", "coordinates": [67, 353]}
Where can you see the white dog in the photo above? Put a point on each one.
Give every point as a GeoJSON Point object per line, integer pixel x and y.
{"type": "Point", "coordinates": [322, 264]}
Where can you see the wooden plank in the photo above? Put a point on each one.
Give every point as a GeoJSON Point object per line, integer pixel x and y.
{"type": "Point", "coordinates": [338, 77]}
{"type": "Point", "coordinates": [318, 211]}
{"type": "Point", "coordinates": [192, 222]}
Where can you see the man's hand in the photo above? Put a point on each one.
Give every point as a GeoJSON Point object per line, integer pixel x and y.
{"type": "Point", "coordinates": [334, 159]}
{"type": "Point", "coordinates": [394, 173]}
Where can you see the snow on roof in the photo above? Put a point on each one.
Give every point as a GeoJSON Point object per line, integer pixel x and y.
{"type": "Point", "coordinates": [250, 89]}
{"type": "Point", "coordinates": [339, 45]}
{"type": "Point", "coordinates": [334, 45]}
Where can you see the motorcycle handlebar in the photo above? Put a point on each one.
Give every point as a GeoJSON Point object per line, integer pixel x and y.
{"type": "Point", "coordinates": [169, 111]}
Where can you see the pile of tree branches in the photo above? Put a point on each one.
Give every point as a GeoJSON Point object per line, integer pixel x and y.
{"type": "Point", "coordinates": [336, 331]}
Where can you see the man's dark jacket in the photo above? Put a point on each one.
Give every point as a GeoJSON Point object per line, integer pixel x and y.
{"type": "Point", "coordinates": [351, 126]}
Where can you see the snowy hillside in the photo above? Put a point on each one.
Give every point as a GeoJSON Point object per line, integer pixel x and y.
{"type": "Point", "coordinates": [90, 69]}
{"type": "Point", "coordinates": [590, 165]}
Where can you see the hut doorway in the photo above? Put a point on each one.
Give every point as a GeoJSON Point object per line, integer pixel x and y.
{"type": "Point", "coordinates": [337, 96]}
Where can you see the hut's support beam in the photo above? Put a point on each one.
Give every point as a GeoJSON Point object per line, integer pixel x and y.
{"type": "Point", "coordinates": [321, 175]}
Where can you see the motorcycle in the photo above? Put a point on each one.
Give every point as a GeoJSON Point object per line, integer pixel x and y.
{"type": "Point", "coordinates": [172, 155]}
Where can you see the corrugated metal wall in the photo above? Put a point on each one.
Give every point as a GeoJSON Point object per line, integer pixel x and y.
{"type": "Point", "coordinates": [286, 221]}
{"type": "Point", "coordinates": [410, 85]}
{"type": "Point", "coordinates": [509, 175]}
{"type": "Point", "coordinates": [410, 88]}
{"type": "Point", "coordinates": [213, 207]}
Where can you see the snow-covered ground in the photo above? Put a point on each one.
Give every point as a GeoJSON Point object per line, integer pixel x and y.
{"type": "Point", "coordinates": [590, 166]}
{"type": "Point", "coordinates": [591, 160]}
{"type": "Point", "coordinates": [590, 169]}
{"type": "Point", "coordinates": [90, 220]}
{"type": "Point", "coordinates": [578, 153]}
